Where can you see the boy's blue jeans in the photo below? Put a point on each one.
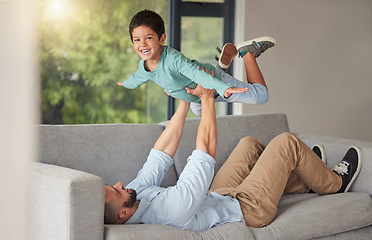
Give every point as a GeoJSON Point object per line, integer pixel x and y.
{"type": "Point", "coordinates": [257, 94]}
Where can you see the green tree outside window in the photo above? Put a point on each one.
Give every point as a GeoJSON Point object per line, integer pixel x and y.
{"type": "Point", "coordinates": [85, 49]}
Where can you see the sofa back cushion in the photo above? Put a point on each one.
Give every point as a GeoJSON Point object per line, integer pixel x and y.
{"type": "Point", "coordinates": [114, 152]}
{"type": "Point", "coordinates": [230, 130]}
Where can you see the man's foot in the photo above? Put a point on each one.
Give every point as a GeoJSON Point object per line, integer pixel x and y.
{"type": "Point", "coordinates": [256, 46]}
{"type": "Point", "coordinates": [227, 54]}
{"type": "Point", "coordinates": [320, 151]}
{"type": "Point", "coordinates": [349, 168]}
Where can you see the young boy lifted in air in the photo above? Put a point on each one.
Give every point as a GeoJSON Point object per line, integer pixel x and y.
{"type": "Point", "coordinates": [171, 70]}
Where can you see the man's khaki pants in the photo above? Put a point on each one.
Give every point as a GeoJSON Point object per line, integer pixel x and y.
{"type": "Point", "coordinates": [257, 177]}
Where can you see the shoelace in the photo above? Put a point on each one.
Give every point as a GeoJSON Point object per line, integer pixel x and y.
{"type": "Point", "coordinates": [342, 168]}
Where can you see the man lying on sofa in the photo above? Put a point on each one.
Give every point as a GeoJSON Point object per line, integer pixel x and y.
{"type": "Point", "coordinates": [247, 188]}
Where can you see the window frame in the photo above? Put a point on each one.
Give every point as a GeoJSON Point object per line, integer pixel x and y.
{"type": "Point", "coordinates": [179, 9]}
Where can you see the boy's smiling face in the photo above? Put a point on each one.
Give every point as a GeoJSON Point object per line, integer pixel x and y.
{"type": "Point", "coordinates": [147, 43]}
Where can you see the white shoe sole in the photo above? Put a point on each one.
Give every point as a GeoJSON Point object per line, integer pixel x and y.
{"type": "Point", "coordinates": [357, 170]}
{"type": "Point", "coordinates": [322, 151]}
{"type": "Point", "coordinates": [232, 54]}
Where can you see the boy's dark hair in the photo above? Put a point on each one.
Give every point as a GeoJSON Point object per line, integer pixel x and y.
{"type": "Point", "coordinates": [149, 19]}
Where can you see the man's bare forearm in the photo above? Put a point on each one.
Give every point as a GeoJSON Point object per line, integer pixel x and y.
{"type": "Point", "coordinates": [169, 140]}
{"type": "Point", "coordinates": [207, 133]}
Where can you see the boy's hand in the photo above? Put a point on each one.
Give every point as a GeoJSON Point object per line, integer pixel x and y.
{"type": "Point", "coordinates": [120, 83]}
{"type": "Point", "coordinates": [233, 90]}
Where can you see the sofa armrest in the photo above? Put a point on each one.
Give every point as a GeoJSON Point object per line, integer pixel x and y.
{"type": "Point", "coordinates": [335, 151]}
{"type": "Point", "coordinates": [66, 204]}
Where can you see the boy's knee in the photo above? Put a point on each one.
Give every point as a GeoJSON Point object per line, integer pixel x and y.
{"type": "Point", "coordinates": [263, 96]}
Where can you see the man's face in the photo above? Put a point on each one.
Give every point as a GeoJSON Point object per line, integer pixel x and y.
{"type": "Point", "coordinates": [147, 43]}
{"type": "Point", "coordinates": [123, 197]}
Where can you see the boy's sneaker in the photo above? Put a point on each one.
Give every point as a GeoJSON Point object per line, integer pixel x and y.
{"type": "Point", "coordinates": [349, 168]}
{"type": "Point", "coordinates": [227, 54]}
{"type": "Point", "coordinates": [256, 46]}
{"type": "Point", "coordinates": [320, 151]}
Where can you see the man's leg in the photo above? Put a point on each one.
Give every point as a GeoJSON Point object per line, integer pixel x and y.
{"type": "Point", "coordinates": [238, 166]}
{"type": "Point", "coordinates": [261, 191]}
{"type": "Point", "coordinates": [295, 183]}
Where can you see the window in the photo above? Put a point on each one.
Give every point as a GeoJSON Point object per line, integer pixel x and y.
{"type": "Point", "coordinates": [201, 1]}
{"type": "Point", "coordinates": [85, 49]}
{"type": "Point", "coordinates": [197, 28]}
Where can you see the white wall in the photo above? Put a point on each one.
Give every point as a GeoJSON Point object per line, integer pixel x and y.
{"type": "Point", "coordinates": [18, 96]}
{"type": "Point", "coordinates": [320, 71]}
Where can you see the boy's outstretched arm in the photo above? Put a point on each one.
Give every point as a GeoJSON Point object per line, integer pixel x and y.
{"type": "Point", "coordinates": [170, 137]}
{"type": "Point", "coordinates": [206, 139]}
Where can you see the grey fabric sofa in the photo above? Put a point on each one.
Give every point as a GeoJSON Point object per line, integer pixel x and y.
{"type": "Point", "coordinates": [77, 160]}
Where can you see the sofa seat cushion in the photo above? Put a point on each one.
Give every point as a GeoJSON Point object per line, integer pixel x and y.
{"type": "Point", "coordinates": [309, 216]}
{"type": "Point", "coordinates": [236, 230]}
{"type": "Point", "coordinates": [305, 216]}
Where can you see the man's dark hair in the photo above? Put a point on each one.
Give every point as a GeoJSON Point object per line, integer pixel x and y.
{"type": "Point", "coordinates": [111, 213]}
{"type": "Point", "coordinates": [112, 210]}
{"type": "Point", "coordinates": [149, 19]}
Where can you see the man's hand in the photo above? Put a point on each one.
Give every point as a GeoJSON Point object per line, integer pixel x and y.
{"type": "Point", "coordinates": [206, 70]}
{"type": "Point", "coordinates": [201, 92]}
{"type": "Point", "coordinates": [120, 83]}
{"type": "Point", "coordinates": [233, 90]}
{"type": "Point", "coordinates": [167, 93]}
{"type": "Point", "coordinates": [228, 91]}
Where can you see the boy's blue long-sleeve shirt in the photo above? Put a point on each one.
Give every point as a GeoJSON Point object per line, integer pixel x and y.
{"type": "Point", "coordinates": [175, 72]}
{"type": "Point", "coordinates": [187, 204]}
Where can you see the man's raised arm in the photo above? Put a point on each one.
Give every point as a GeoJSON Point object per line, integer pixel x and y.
{"type": "Point", "coordinates": [206, 139]}
{"type": "Point", "coordinates": [170, 138]}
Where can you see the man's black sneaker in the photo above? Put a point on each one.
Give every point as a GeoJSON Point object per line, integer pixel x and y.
{"type": "Point", "coordinates": [320, 151]}
{"type": "Point", "coordinates": [349, 168]}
